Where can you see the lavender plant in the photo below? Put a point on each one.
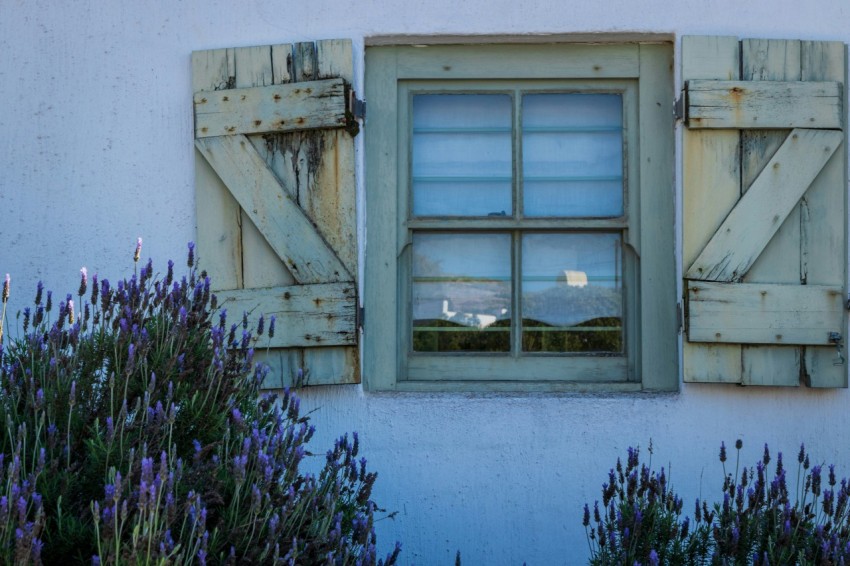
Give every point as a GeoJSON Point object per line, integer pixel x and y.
{"type": "Point", "coordinates": [136, 433]}
{"type": "Point", "coordinates": [640, 519]}
{"type": "Point", "coordinates": [761, 520]}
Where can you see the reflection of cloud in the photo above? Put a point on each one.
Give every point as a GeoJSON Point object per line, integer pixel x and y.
{"type": "Point", "coordinates": [576, 278]}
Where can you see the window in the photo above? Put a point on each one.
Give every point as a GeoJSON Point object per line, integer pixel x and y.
{"type": "Point", "coordinates": [520, 218]}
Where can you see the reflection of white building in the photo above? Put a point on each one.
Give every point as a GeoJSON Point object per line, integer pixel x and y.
{"type": "Point", "coordinates": [576, 278]}
{"type": "Point", "coordinates": [469, 319]}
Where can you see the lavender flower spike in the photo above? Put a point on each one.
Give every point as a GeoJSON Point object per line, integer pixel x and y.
{"type": "Point", "coordinates": [84, 281]}
{"type": "Point", "coordinates": [138, 253]}
{"type": "Point", "coordinates": [6, 284]}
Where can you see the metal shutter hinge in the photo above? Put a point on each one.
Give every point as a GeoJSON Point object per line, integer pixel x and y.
{"type": "Point", "coordinates": [679, 108]}
{"type": "Point", "coordinates": [361, 317]}
{"type": "Point", "coordinates": [680, 317]}
{"type": "Point", "coordinates": [357, 106]}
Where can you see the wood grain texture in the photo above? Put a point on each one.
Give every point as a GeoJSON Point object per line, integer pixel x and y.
{"type": "Point", "coordinates": [763, 104]}
{"type": "Point", "coordinates": [826, 236]}
{"type": "Point", "coordinates": [280, 220]}
{"type": "Point", "coordinates": [781, 261]}
{"type": "Point", "coordinates": [278, 108]}
{"type": "Point", "coordinates": [315, 169]}
{"type": "Point", "coordinates": [321, 314]}
{"type": "Point", "coordinates": [756, 313]}
{"type": "Point", "coordinates": [261, 266]}
{"type": "Point", "coordinates": [760, 212]}
{"type": "Point", "coordinates": [711, 187]}
{"type": "Point", "coordinates": [218, 216]}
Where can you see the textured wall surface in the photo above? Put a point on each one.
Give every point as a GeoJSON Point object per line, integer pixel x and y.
{"type": "Point", "coordinates": [96, 150]}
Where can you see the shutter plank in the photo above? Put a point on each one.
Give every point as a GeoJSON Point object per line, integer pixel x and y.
{"type": "Point", "coordinates": [321, 314]}
{"type": "Point", "coordinates": [826, 200]}
{"type": "Point", "coordinates": [261, 266]}
{"type": "Point", "coordinates": [780, 262]}
{"type": "Point", "coordinates": [219, 231]}
{"type": "Point", "coordinates": [330, 202]}
{"type": "Point", "coordinates": [711, 180]}
{"type": "Point", "coordinates": [277, 108]}
{"type": "Point", "coordinates": [755, 313]}
{"type": "Point", "coordinates": [288, 231]}
{"type": "Point", "coordinates": [317, 168]}
{"type": "Point", "coordinates": [763, 104]}
{"type": "Point", "coordinates": [761, 211]}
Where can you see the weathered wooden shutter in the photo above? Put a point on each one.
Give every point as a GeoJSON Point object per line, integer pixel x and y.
{"type": "Point", "coordinates": [275, 199]}
{"type": "Point", "coordinates": [764, 211]}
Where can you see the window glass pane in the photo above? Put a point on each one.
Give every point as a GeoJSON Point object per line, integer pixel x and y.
{"type": "Point", "coordinates": [572, 155]}
{"type": "Point", "coordinates": [572, 293]}
{"type": "Point", "coordinates": [461, 292]}
{"type": "Point", "coordinates": [462, 155]}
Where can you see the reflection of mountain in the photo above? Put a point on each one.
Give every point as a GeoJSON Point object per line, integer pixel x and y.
{"type": "Point", "coordinates": [562, 305]}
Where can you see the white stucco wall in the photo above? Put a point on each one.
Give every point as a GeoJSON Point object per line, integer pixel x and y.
{"type": "Point", "coordinates": [96, 149]}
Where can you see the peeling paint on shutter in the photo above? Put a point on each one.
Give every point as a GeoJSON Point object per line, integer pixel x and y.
{"type": "Point", "coordinates": [275, 199]}
{"type": "Point", "coordinates": [764, 211]}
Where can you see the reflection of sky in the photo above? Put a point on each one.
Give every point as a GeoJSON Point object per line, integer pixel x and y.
{"type": "Point", "coordinates": [464, 255]}
{"type": "Point", "coordinates": [462, 154]}
{"type": "Point", "coordinates": [545, 258]}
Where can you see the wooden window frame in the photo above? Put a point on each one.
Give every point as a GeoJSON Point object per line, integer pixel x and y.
{"type": "Point", "coordinates": [643, 73]}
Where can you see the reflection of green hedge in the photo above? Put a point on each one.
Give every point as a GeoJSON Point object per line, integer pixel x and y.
{"type": "Point", "coordinates": [574, 340]}
{"type": "Point", "coordinates": [471, 339]}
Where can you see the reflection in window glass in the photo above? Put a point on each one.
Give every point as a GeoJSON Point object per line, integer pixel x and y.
{"type": "Point", "coordinates": [572, 155]}
{"type": "Point", "coordinates": [572, 293]}
{"type": "Point", "coordinates": [461, 292]}
{"type": "Point", "coordinates": [462, 155]}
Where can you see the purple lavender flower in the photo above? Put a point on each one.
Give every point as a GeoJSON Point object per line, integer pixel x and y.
{"type": "Point", "coordinates": [722, 451]}
{"type": "Point", "coordinates": [271, 326]}
{"type": "Point", "coordinates": [653, 558]}
{"type": "Point", "coordinates": [190, 261]}
{"type": "Point", "coordinates": [6, 285]}
{"type": "Point", "coordinates": [138, 252]}
{"type": "Point", "coordinates": [816, 479]}
{"type": "Point", "coordinates": [84, 281]}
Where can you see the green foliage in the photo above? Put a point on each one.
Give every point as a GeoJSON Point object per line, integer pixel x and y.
{"type": "Point", "coordinates": [135, 433]}
{"type": "Point", "coordinates": [759, 521]}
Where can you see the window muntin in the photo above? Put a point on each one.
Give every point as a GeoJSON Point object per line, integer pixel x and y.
{"type": "Point", "coordinates": [526, 130]}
